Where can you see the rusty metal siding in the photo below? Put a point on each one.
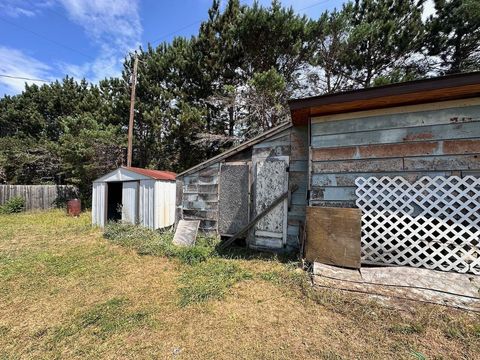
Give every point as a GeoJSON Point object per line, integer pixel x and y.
{"type": "Point", "coordinates": [443, 141]}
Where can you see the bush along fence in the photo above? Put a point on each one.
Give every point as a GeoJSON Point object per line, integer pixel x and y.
{"type": "Point", "coordinates": [38, 197]}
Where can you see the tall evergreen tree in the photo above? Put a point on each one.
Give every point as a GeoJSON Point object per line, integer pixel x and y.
{"type": "Point", "coordinates": [383, 36]}
{"type": "Point", "coordinates": [454, 35]}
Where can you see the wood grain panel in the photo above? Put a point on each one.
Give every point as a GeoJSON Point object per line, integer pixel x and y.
{"type": "Point", "coordinates": [400, 120]}
{"type": "Point", "coordinates": [384, 165]}
{"type": "Point", "coordinates": [435, 163]}
{"type": "Point", "coordinates": [391, 136]}
{"type": "Point", "coordinates": [333, 236]}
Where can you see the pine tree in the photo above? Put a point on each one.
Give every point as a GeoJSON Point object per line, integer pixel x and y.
{"type": "Point", "coordinates": [454, 35]}
{"type": "Point", "coordinates": [383, 36]}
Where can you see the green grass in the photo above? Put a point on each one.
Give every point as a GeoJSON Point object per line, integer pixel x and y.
{"type": "Point", "coordinates": [209, 280]}
{"type": "Point", "coordinates": [68, 292]}
{"type": "Point", "coordinates": [104, 319]}
{"type": "Point", "coordinates": [149, 242]}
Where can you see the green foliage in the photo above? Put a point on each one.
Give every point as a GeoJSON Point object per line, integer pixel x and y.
{"type": "Point", "coordinates": [454, 35]}
{"type": "Point", "coordinates": [103, 320]}
{"type": "Point", "coordinates": [199, 96]}
{"type": "Point", "coordinates": [148, 242]}
{"type": "Point", "coordinates": [209, 280]}
{"type": "Point", "coordinates": [14, 205]}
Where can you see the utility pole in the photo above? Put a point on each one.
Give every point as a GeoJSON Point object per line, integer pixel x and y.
{"type": "Point", "coordinates": [132, 111]}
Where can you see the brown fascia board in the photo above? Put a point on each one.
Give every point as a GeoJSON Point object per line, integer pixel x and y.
{"type": "Point", "coordinates": [236, 149]}
{"type": "Point", "coordinates": [439, 88]}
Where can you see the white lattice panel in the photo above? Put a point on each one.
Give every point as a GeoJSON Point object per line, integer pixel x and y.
{"type": "Point", "coordinates": [432, 223]}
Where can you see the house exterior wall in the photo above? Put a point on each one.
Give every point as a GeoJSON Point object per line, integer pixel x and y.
{"type": "Point", "coordinates": [412, 141]}
{"type": "Point", "coordinates": [198, 197]}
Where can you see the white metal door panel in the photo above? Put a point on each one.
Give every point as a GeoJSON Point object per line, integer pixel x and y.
{"type": "Point", "coordinates": [147, 203]}
{"type": "Point", "coordinates": [98, 204]}
{"type": "Point", "coordinates": [271, 181]}
{"type": "Point", "coordinates": [130, 202]}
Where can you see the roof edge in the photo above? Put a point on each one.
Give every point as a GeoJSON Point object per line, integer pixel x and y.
{"type": "Point", "coordinates": [237, 149]}
{"type": "Point", "coordinates": [447, 81]}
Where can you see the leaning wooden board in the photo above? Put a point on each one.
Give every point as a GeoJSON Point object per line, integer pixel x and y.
{"type": "Point", "coordinates": [186, 232]}
{"type": "Point", "coordinates": [333, 236]}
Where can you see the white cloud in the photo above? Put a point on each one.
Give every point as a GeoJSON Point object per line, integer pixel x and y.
{"type": "Point", "coordinates": [16, 63]}
{"type": "Point", "coordinates": [113, 25]}
{"type": "Point", "coordinates": [428, 9]}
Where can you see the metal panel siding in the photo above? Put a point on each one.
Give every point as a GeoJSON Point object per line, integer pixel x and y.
{"type": "Point", "coordinates": [146, 202]}
{"type": "Point", "coordinates": [130, 202]}
{"type": "Point", "coordinates": [165, 193]}
{"type": "Point", "coordinates": [98, 204]}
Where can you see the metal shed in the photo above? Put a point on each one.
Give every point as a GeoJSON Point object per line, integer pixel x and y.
{"type": "Point", "coordinates": [135, 196]}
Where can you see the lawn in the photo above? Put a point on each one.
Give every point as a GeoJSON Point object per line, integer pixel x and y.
{"type": "Point", "coordinates": [68, 292]}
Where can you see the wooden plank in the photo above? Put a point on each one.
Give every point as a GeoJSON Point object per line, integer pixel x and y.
{"type": "Point", "coordinates": [333, 236]}
{"type": "Point", "coordinates": [384, 165]}
{"type": "Point", "coordinates": [447, 147]}
{"type": "Point", "coordinates": [421, 133]}
{"type": "Point", "coordinates": [461, 103]}
{"type": "Point", "coordinates": [279, 150]}
{"type": "Point", "coordinates": [299, 143]}
{"type": "Point", "coordinates": [436, 163]}
{"type": "Point", "coordinates": [186, 232]}
{"type": "Point", "coordinates": [299, 166]}
{"type": "Point", "coordinates": [333, 193]}
{"type": "Point", "coordinates": [397, 121]}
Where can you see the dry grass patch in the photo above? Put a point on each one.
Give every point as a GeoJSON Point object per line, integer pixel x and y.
{"type": "Point", "coordinates": [67, 292]}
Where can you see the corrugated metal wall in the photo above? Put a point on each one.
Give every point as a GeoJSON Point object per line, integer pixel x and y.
{"type": "Point", "coordinates": [165, 192]}
{"type": "Point", "coordinates": [99, 204]}
{"type": "Point", "coordinates": [150, 203]}
{"type": "Point", "coordinates": [130, 202]}
{"type": "Point", "coordinates": [421, 140]}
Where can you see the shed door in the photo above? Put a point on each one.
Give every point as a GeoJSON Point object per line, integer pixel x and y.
{"type": "Point", "coordinates": [271, 181]}
{"type": "Point", "coordinates": [233, 198]}
{"type": "Point", "coordinates": [130, 202]}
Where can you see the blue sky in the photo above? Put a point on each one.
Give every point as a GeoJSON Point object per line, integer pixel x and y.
{"type": "Point", "coordinates": [48, 39]}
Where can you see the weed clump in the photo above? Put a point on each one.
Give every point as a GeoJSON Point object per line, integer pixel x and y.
{"type": "Point", "coordinates": [209, 280]}
{"type": "Point", "coordinates": [14, 205]}
{"type": "Point", "coordinates": [149, 242]}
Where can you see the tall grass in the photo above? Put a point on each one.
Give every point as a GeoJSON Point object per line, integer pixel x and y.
{"type": "Point", "coordinates": [148, 242]}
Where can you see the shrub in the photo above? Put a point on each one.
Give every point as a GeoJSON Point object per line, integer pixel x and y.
{"type": "Point", "coordinates": [14, 205]}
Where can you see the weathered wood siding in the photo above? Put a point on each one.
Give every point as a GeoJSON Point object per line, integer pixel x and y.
{"type": "Point", "coordinates": [38, 197]}
{"type": "Point", "coordinates": [428, 140]}
{"type": "Point", "coordinates": [198, 199]}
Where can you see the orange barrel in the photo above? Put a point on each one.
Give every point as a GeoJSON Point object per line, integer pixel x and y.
{"type": "Point", "coordinates": [74, 207]}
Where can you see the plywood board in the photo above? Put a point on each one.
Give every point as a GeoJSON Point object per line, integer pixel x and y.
{"type": "Point", "coordinates": [333, 236]}
{"type": "Point", "coordinates": [233, 198]}
{"type": "Point", "coordinates": [186, 232]}
{"type": "Point", "coordinates": [271, 181]}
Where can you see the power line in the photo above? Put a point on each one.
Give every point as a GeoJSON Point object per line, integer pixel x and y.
{"type": "Point", "coordinates": [23, 78]}
{"type": "Point", "coordinates": [46, 38]}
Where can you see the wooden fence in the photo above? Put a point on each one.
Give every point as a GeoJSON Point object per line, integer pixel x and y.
{"type": "Point", "coordinates": [38, 197]}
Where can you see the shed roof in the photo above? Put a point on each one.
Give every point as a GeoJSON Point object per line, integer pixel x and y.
{"type": "Point", "coordinates": [267, 134]}
{"type": "Point", "coordinates": [450, 87]}
{"type": "Point", "coordinates": [154, 174]}
{"type": "Point", "coordinates": [125, 173]}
